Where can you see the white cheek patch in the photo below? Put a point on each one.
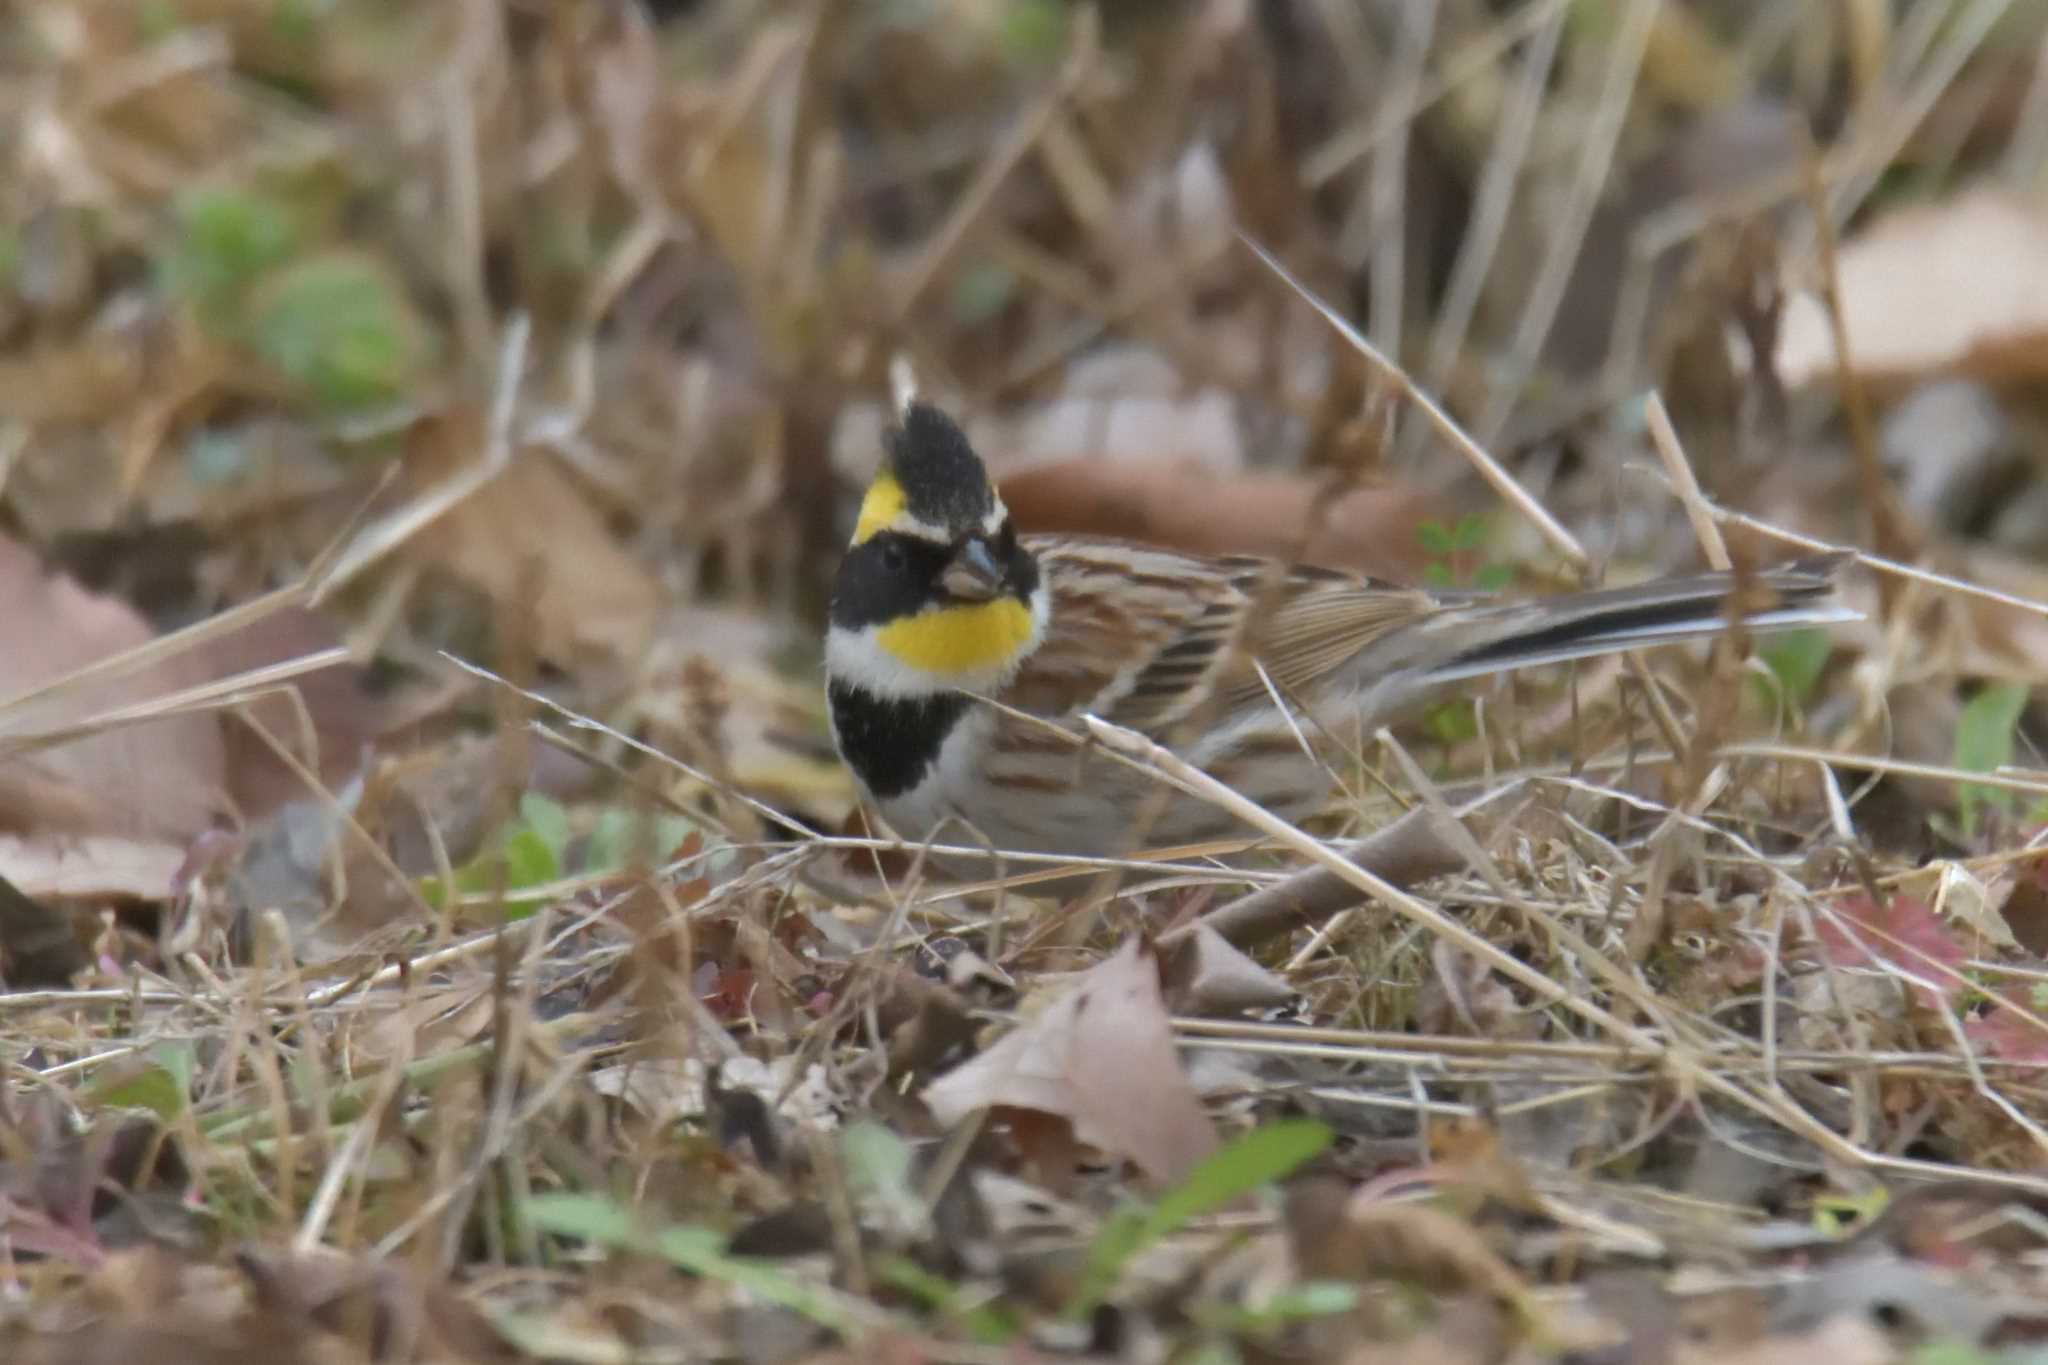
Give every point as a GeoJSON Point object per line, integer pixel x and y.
{"type": "Point", "coordinates": [857, 657]}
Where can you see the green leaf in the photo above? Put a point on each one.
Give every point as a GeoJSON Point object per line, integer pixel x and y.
{"type": "Point", "coordinates": [297, 22]}
{"type": "Point", "coordinates": [878, 1163]}
{"type": "Point", "coordinates": [1033, 30]}
{"type": "Point", "coordinates": [340, 327]}
{"type": "Point", "coordinates": [163, 1085]}
{"type": "Point", "coordinates": [1252, 1161]}
{"type": "Point", "coordinates": [1950, 1351]}
{"type": "Point", "coordinates": [1796, 659]}
{"type": "Point", "coordinates": [1984, 738]}
{"type": "Point", "coordinates": [1296, 1303]}
{"type": "Point", "coordinates": [529, 862]}
{"type": "Point", "coordinates": [546, 818]}
{"type": "Point", "coordinates": [621, 837]}
{"type": "Point", "coordinates": [1437, 575]}
{"type": "Point", "coordinates": [156, 20]}
{"type": "Point", "coordinates": [986, 1323]}
{"type": "Point", "coordinates": [1451, 722]}
{"type": "Point", "coordinates": [1469, 533]}
{"type": "Point", "coordinates": [981, 291]}
{"type": "Point", "coordinates": [1435, 537]}
{"type": "Point", "coordinates": [697, 1250]}
{"type": "Point", "coordinates": [1493, 577]}
{"type": "Point", "coordinates": [226, 238]}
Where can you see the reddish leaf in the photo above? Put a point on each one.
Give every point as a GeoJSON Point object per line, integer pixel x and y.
{"type": "Point", "coordinates": [1903, 935]}
{"type": "Point", "coordinates": [2005, 1029]}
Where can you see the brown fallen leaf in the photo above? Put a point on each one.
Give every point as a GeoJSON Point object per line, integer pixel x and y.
{"type": "Point", "coordinates": [1102, 1058]}
{"type": "Point", "coordinates": [390, 1313]}
{"type": "Point", "coordinates": [89, 866]}
{"type": "Point", "coordinates": [1205, 975]}
{"type": "Point", "coordinates": [164, 779]}
{"type": "Point", "coordinates": [1960, 285]}
{"type": "Point", "coordinates": [343, 715]}
{"type": "Point", "coordinates": [529, 536]}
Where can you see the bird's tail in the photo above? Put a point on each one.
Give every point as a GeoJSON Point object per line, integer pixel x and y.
{"type": "Point", "coordinates": [1584, 625]}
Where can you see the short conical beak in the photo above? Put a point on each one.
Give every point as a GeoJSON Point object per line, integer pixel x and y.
{"type": "Point", "coordinates": [973, 575]}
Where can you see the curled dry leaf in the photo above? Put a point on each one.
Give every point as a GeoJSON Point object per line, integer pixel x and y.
{"type": "Point", "coordinates": [1956, 286]}
{"type": "Point", "coordinates": [1102, 1058]}
{"type": "Point", "coordinates": [1205, 975]}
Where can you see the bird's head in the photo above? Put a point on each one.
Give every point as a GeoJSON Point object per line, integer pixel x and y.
{"type": "Point", "coordinates": [935, 593]}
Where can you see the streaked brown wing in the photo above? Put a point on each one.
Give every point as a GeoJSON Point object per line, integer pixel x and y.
{"type": "Point", "coordinates": [1116, 609]}
{"type": "Point", "coordinates": [1145, 637]}
{"type": "Point", "coordinates": [1319, 621]}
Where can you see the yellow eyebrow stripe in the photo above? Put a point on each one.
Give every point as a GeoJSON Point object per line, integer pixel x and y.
{"type": "Point", "coordinates": [883, 503]}
{"type": "Point", "coordinates": [952, 641]}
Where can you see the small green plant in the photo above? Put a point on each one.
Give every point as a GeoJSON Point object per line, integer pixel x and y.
{"type": "Point", "coordinates": [988, 1323]}
{"type": "Point", "coordinates": [1032, 31]}
{"type": "Point", "coordinates": [160, 1083]}
{"type": "Point", "coordinates": [1456, 562]}
{"type": "Point", "coordinates": [1984, 741]}
{"type": "Point", "coordinates": [1296, 1303]}
{"type": "Point", "coordinates": [1253, 1161]}
{"type": "Point", "coordinates": [528, 854]}
{"type": "Point", "coordinates": [1795, 659]}
{"type": "Point", "coordinates": [700, 1251]}
{"type": "Point", "coordinates": [340, 327]}
{"type": "Point", "coordinates": [226, 238]}
{"type": "Point", "coordinates": [537, 848]}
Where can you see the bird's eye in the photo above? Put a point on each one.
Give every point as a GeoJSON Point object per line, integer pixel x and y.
{"type": "Point", "coordinates": [893, 557]}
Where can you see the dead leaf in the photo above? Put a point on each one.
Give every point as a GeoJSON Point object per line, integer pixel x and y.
{"type": "Point", "coordinates": [90, 867]}
{"type": "Point", "coordinates": [1960, 285]}
{"type": "Point", "coordinates": [391, 1313]}
{"type": "Point", "coordinates": [531, 530]}
{"type": "Point", "coordinates": [1102, 1057]}
{"type": "Point", "coordinates": [1904, 936]}
{"type": "Point", "coordinates": [163, 779]}
{"type": "Point", "coordinates": [343, 716]}
{"type": "Point", "coordinates": [1205, 975]}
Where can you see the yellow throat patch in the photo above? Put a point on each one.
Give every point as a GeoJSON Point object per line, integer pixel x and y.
{"type": "Point", "coordinates": [883, 503]}
{"type": "Point", "coordinates": [960, 642]}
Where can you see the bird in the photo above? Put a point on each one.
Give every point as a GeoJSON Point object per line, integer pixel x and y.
{"type": "Point", "coordinates": [962, 655]}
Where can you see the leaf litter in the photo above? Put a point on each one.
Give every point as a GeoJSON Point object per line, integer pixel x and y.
{"type": "Point", "coordinates": [426, 433]}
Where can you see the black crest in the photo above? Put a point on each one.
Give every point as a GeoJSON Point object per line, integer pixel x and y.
{"type": "Point", "coordinates": [944, 482]}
